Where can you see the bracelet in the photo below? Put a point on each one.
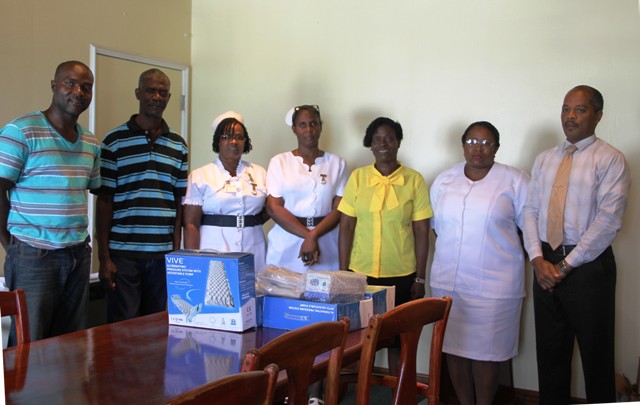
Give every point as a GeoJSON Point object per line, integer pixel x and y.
{"type": "Point", "coordinates": [419, 280]}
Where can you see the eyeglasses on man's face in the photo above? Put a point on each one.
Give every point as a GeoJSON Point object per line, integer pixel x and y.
{"type": "Point", "coordinates": [482, 142]}
{"type": "Point", "coordinates": [235, 137]}
{"type": "Point", "coordinates": [73, 85]}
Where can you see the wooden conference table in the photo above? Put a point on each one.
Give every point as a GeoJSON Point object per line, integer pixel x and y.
{"type": "Point", "coordinates": [139, 361]}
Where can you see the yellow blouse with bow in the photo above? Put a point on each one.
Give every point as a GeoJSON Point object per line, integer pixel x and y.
{"type": "Point", "coordinates": [385, 206]}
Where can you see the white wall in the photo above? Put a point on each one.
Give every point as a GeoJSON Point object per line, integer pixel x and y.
{"type": "Point", "coordinates": [435, 66]}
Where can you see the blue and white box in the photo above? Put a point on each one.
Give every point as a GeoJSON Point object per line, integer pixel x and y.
{"type": "Point", "coordinates": [211, 290]}
{"type": "Point", "coordinates": [287, 313]}
{"type": "Point", "coordinates": [384, 298]}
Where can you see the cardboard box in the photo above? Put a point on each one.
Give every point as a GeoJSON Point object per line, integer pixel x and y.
{"type": "Point", "coordinates": [384, 298]}
{"type": "Point", "coordinates": [198, 356]}
{"type": "Point", "coordinates": [211, 290]}
{"type": "Point", "coordinates": [287, 313]}
{"type": "Point", "coordinates": [259, 310]}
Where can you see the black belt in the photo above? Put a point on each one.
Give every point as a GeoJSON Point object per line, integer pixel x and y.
{"type": "Point", "coordinates": [562, 250]}
{"type": "Point", "coordinates": [232, 221]}
{"type": "Point", "coordinates": [310, 221]}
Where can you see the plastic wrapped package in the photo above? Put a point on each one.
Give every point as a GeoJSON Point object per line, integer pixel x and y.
{"type": "Point", "coordinates": [334, 286]}
{"type": "Point", "coordinates": [280, 282]}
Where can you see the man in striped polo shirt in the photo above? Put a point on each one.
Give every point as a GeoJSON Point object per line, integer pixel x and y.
{"type": "Point", "coordinates": [144, 168]}
{"type": "Point", "coordinates": [47, 162]}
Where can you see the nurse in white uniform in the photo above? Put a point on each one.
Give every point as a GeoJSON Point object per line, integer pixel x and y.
{"type": "Point", "coordinates": [479, 261]}
{"type": "Point", "coordinates": [305, 187]}
{"type": "Point", "coordinates": [224, 208]}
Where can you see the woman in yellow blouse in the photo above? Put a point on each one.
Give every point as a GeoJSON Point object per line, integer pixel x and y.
{"type": "Point", "coordinates": [384, 226]}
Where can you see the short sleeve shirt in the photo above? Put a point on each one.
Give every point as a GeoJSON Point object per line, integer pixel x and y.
{"type": "Point", "coordinates": [51, 176]}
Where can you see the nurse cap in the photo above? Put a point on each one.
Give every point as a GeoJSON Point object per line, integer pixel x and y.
{"type": "Point", "coordinates": [229, 114]}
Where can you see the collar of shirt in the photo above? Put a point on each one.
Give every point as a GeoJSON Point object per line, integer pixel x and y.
{"type": "Point", "coordinates": [242, 174]}
{"type": "Point", "coordinates": [134, 127]}
{"type": "Point", "coordinates": [581, 145]}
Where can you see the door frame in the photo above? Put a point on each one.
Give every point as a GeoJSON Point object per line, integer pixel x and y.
{"type": "Point", "coordinates": [96, 51]}
{"type": "Point", "coordinates": [184, 97]}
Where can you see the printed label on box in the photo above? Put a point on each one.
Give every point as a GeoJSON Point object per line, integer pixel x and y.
{"type": "Point", "coordinates": [286, 313]}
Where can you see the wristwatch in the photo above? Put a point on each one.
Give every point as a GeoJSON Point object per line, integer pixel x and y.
{"type": "Point", "coordinates": [564, 267]}
{"type": "Point", "coordinates": [419, 280]}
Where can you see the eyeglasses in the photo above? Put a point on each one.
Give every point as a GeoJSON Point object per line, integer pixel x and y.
{"type": "Point", "coordinates": [72, 85]}
{"type": "Point", "coordinates": [307, 106]}
{"type": "Point", "coordinates": [235, 137]}
{"type": "Point", "coordinates": [482, 142]}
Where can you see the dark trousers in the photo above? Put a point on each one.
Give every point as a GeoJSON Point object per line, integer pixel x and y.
{"type": "Point", "coordinates": [141, 288]}
{"type": "Point", "coordinates": [582, 306]}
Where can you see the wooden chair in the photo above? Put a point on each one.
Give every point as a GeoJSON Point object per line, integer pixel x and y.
{"type": "Point", "coordinates": [253, 388]}
{"type": "Point", "coordinates": [15, 368]}
{"type": "Point", "coordinates": [296, 351]}
{"type": "Point", "coordinates": [406, 321]}
{"type": "Point", "coordinates": [14, 303]}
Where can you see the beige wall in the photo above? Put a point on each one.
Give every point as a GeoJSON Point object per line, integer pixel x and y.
{"type": "Point", "coordinates": [435, 66]}
{"type": "Point", "coordinates": [36, 36]}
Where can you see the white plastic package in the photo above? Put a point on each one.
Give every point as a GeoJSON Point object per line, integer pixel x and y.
{"type": "Point", "coordinates": [280, 282]}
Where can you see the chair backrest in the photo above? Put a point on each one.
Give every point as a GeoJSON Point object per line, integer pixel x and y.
{"type": "Point", "coordinates": [15, 303]}
{"type": "Point", "coordinates": [296, 351]}
{"type": "Point", "coordinates": [252, 388]}
{"type": "Point", "coordinates": [407, 321]}
{"type": "Point", "coordinates": [15, 369]}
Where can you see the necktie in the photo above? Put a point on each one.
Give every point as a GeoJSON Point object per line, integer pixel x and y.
{"type": "Point", "coordinates": [555, 213]}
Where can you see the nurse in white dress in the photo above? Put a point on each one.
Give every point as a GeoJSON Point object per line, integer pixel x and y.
{"type": "Point", "coordinates": [224, 208]}
{"type": "Point", "coordinates": [305, 187]}
{"type": "Point", "coordinates": [479, 261]}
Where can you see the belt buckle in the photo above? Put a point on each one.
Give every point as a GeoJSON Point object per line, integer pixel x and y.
{"type": "Point", "coordinates": [310, 222]}
{"type": "Point", "coordinates": [239, 221]}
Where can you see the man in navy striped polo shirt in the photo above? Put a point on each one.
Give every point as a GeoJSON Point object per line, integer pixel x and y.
{"type": "Point", "coordinates": [47, 162]}
{"type": "Point", "coordinates": [144, 168]}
